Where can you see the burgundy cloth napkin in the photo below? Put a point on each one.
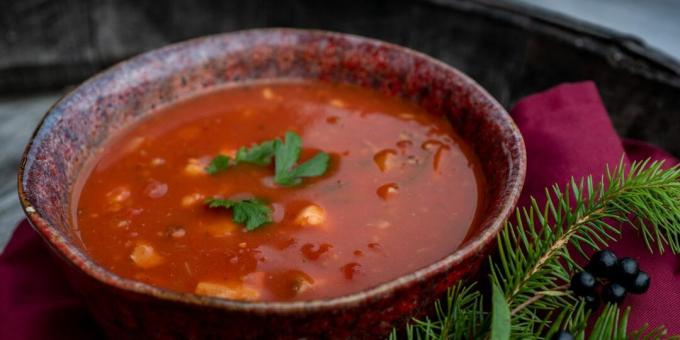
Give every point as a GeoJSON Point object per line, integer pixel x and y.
{"type": "Point", "coordinates": [567, 133]}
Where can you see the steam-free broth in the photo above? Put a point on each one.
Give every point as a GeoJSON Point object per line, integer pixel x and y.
{"type": "Point", "coordinates": [399, 191]}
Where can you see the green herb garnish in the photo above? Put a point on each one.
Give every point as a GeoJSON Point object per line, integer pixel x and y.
{"type": "Point", "coordinates": [219, 163]}
{"type": "Point", "coordinates": [252, 212]}
{"type": "Point", "coordinates": [258, 154]}
{"type": "Point", "coordinates": [288, 153]}
{"type": "Point", "coordinates": [285, 154]}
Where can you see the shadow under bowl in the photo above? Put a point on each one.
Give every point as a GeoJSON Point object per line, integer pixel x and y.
{"type": "Point", "coordinates": [81, 122]}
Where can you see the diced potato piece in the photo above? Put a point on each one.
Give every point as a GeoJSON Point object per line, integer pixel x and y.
{"type": "Point", "coordinates": [311, 216]}
{"type": "Point", "coordinates": [268, 94]}
{"type": "Point", "coordinates": [231, 291]}
{"type": "Point", "coordinates": [192, 199]}
{"type": "Point", "coordinates": [155, 189]}
{"type": "Point", "coordinates": [116, 197]}
{"type": "Point", "coordinates": [224, 228]}
{"type": "Point", "coordinates": [337, 103]}
{"type": "Point", "coordinates": [157, 161]}
{"type": "Point", "coordinates": [177, 232]}
{"type": "Point", "coordinates": [195, 167]}
{"type": "Point", "coordinates": [278, 212]}
{"type": "Point", "coordinates": [145, 256]}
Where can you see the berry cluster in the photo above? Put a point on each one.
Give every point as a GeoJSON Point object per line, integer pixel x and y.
{"type": "Point", "coordinates": [620, 276]}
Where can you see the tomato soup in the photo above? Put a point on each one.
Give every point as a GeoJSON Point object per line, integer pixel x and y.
{"type": "Point", "coordinates": [399, 190]}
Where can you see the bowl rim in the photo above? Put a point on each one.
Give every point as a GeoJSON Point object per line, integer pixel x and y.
{"type": "Point", "coordinates": [83, 262]}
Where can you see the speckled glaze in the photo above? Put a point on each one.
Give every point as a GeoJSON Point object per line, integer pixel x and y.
{"type": "Point", "coordinates": [75, 127]}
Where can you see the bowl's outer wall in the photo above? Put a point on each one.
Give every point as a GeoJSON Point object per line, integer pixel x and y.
{"type": "Point", "coordinates": [129, 315]}
{"type": "Point", "coordinates": [78, 126]}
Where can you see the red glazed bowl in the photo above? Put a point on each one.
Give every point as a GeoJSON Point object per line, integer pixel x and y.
{"type": "Point", "coordinates": [82, 121]}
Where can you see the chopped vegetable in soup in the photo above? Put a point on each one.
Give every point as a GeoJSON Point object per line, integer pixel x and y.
{"type": "Point", "coordinates": [279, 191]}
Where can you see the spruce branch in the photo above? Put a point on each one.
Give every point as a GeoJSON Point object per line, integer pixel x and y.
{"type": "Point", "coordinates": [535, 260]}
{"type": "Point", "coordinates": [460, 315]}
{"type": "Point", "coordinates": [612, 324]}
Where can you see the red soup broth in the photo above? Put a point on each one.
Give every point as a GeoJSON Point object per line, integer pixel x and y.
{"type": "Point", "coordinates": [402, 191]}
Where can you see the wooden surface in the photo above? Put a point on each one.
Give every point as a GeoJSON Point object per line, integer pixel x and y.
{"type": "Point", "coordinates": [510, 49]}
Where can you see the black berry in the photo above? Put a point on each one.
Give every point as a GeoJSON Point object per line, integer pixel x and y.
{"type": "Point", "coordinates": [614, 293]}
{"type": "Point", "coordinates": [562, 335]}
{"type": "Point", "coordinates": [640, 284]}
{"type": "Point", "coordinates": [592, 301]}
{"type": "Point", "coordinates": [626, 270]}
{"type": "Point", "coordinates": [602, 263]}
{"type": "Point", "coordinates": [582, 283]}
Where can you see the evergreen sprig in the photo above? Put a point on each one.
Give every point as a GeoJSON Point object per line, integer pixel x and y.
{"type": "Point", "coordinates": [460, 315]}
{"type": "Point", "coordinates": [612, 324]}
{"type": "Point", "coordinates": [537, 255]}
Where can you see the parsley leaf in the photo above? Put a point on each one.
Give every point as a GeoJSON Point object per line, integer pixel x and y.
{"type": "Point", "coordinates": [219, 163]}
{"type": "Point", "coordinates": [252, 212]}
{"type": "Point", "coordinates": [285, 154]}
{"type": "Point", "coordinates": [316, 166]}
{"type": "Point", "coordinates": [215, 202]}
{"type": "Point", "coordinates": [258, 154]}
{"type": "Point", "coordinates": [288, 153]}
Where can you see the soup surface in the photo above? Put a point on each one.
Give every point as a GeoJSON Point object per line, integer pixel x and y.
{"type": "Point", "coordinates": [401, 190]}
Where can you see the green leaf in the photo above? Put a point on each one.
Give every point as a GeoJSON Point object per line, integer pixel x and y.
{"type": "Point", "coordinates": [288, 153]}
{"type": "Point", "coordinates": [219, 203]}
{"type": "Point", "coordinates": [500, 315]}
{"type": "Point", "coordinates": [253, 213]}
{"type": "Point", "coordinates": [219, 163]}
{"type": "Point", "coordinates": [258, 154]}
{"type": "Point", "coordinates": [315, 166]}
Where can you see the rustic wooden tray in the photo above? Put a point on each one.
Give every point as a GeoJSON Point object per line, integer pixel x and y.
{"type": "Point", "coordinates": [511, 49]}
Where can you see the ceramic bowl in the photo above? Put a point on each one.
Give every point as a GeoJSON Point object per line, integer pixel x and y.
{"type": "Point", "coordinates": [82, 121]}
